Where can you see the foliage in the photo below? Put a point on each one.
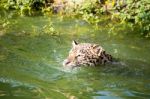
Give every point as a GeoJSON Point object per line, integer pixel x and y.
{"type": "Point", "coordinates": [137, 13]}
{"type": "Point", "coordinates": [90, 12]}
{"type": "Point", "coordinates": [25, 7]}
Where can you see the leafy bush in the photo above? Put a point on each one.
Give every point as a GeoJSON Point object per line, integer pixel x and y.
{"type": "Point", "coordinates": [25, 7]}
{"type": "Point", "coordinates": [137, 12]}
{"type": "Point", "coordinates": [90, 12]}
{"type": "Point", "coordinates": [134, 12]}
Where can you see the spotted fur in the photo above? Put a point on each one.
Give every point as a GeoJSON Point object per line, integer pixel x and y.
{"type": "Point", "coordinates": [86, 54]}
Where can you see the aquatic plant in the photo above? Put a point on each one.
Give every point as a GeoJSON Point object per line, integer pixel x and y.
{"type": "Point", "coordinates": [49, 29]}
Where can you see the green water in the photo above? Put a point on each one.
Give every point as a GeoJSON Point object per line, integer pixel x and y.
{"type": "Point", "coordinates": [31, 62]}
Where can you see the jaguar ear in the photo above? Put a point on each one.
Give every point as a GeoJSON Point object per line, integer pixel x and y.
{"type": "Point", "coordinates": [74, 43]}
{"type": "Point", "coordinates": [98, 49]}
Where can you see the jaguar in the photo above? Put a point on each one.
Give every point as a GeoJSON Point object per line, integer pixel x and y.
{"type": "Point", "coordinates": [86, 54]}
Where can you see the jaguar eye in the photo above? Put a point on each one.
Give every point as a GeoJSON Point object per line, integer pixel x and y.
{"type": "Point", "coordinates": [78, 56]}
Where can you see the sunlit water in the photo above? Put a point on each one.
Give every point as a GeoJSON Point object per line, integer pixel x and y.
{"type": "Point", "coordinates": [31, 62]}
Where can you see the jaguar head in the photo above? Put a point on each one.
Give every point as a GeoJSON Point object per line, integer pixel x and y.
{"type": "Point", "coordinates": [74, 55]}
{"type": "Point", "coordinates": [83, 54]}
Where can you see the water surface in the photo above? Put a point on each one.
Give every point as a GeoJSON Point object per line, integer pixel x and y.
{"type": "Point", "coordinates": [31, 61]}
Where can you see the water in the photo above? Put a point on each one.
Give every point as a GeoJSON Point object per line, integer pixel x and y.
{"type": "Point", "coordinates": [31, 62]}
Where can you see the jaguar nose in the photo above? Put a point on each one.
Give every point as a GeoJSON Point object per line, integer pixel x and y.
{"type": "Point", "coordinates": [66, 62]}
